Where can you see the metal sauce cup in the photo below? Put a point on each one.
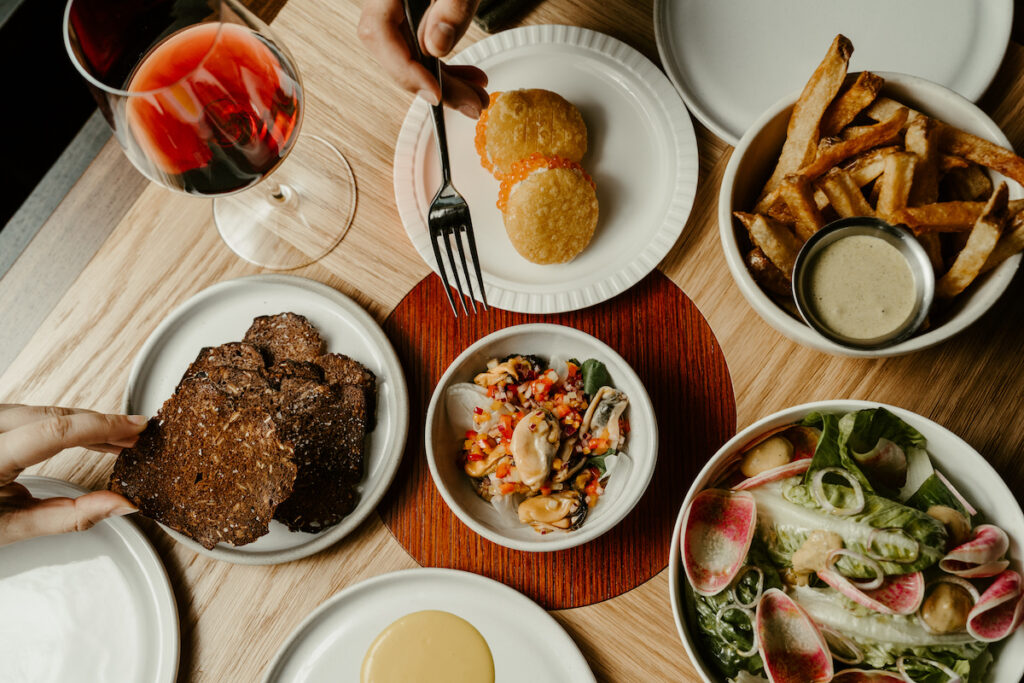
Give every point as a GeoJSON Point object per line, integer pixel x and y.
{"type": "Point", "coordinates": [905, 243]}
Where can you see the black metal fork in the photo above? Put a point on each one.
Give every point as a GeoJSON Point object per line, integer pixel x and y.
{"type": "Point", "coordinates": [448, 216]}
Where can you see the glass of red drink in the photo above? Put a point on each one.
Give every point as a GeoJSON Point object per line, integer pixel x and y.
{"type": "Point", "coordinates": [204, 100]}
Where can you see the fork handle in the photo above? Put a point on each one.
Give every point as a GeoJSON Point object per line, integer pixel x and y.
{"type": "Point", "coordinates": [415, 10]}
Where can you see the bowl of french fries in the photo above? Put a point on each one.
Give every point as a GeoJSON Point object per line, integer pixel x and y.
{"type": "Point", "coordinates": [884, 145]}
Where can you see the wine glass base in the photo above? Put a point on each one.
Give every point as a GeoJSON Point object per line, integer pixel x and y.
{"type": "Point", "coordinates": [297, 215]}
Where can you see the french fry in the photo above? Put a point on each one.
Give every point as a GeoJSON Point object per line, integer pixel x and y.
{"type": "Point", "coordinates": [867, 166]}
{"type": "Point", "coordinates": [883, 108]}
{"type": "Point", "coordinates": [844, 194]}
{"type": "Point", "coordinates": [933, 247]}
{"type": "Point", "coordinates": [947, 216]}
{"type": "Point", "coordinates": [766, 274]}
{"type": "Point", "coordinates": [948, 162]}
{"type": "Point", "coordinates": [851, 132]}
{"type": "Point", "coordinates": [799, 197]}
{"type": "Point", "coordinates": [969, 184]}
{"type": "Point", "coordinates": [802, 132]}
{"type": "Point", "coordinates": [980, 245]}
{"type": "Point", "coordinates": [922, 139]}
{"type": "Point", "coordinates": [845, 108]}
{"type": "Point", "coordinates": [774, 239]}
{"type": "Point", "coordinates": [894, 184]}
{"type": "Point", "coordinates": [839, 152]}
{"type": "Point", "coordinates": [980, 151]}
{"type": "Point", "coordinates": [1010, 243]}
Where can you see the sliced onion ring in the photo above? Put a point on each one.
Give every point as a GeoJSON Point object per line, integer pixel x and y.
{"type": "Point", "coordinates": [954, 677]}
{"type": "Point", "coordinates": [846, 642]}
{"type": "Point", "coordinates": [956, 494]}
{"type": "Point", "coordinates": [830, 561]}
{"type": "Point", "coordinates": [956, 581]}
{"type": "Point", "coordinates": [892, 529]}
{"type": "Point", "coordinates": [753, 631]}
{"type": "Point", "coordinates": [760, 586]}
{"type": "Point", "coordinates": [818, 492]}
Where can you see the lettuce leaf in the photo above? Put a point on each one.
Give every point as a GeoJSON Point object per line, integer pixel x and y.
{"type": "Point", "coordinates": [860, 433]}
{"type": "Point", "coordinates": [595, 376]}
{"type": "Point", "coordinates": [828, 452]}
{"type": "Point", "coordinates": [934, 492]}
{"type": "Point", "coordinates": [885, 638]}
{"type": "Point", "coordinates": [788, 513]}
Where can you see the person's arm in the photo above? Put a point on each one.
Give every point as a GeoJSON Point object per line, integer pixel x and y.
{"type": "Point", "coordinates": [31, 434]}
{"type": "Point", "coordinates": [382, 28]}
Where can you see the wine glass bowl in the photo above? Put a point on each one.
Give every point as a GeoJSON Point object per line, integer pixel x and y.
{"type": "Point", "coordinates": [205, 100]}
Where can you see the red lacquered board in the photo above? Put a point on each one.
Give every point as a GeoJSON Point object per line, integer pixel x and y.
{"type": "Point", "coordinates": [660, 332]}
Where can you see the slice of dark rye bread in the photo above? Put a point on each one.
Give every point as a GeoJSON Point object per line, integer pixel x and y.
{"type": "Point", "coordinates": [285, 336]}
{"type": "Point", "coordinates": [208, 466]}
{"type": "Point", "coordinates": [322, 409]}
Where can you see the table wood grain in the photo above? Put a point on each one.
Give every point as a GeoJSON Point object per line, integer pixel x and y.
{"type": "Point", "coordinates": [165, 248]}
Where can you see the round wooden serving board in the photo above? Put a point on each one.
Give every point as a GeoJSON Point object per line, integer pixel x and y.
{"type": "Point", "coordinates": [660, 332]}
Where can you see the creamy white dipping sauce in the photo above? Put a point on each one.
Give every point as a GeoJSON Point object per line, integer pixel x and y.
{"type": "Point", "coordinates": [861, 287]}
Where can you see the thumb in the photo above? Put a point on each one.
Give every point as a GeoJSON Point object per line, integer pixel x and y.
{"type": "Point", "coordinates": [61, 515]}
{"type": "Point", "coordinates": [445, 24]}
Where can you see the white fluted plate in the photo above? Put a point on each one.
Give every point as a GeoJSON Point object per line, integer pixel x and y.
{"type": "Point", "coordinates": [642, 155]}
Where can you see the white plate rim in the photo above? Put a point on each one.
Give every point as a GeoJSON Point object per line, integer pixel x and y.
{"type": "Point", "coordinates": [676, 214]}
{"type": "Point", "coordinates": [140, 548]}
{"type": "Point", "coordinates": [392, 453]}
{"type": "Point", "coordinates": [553, 543]}
{"type": "Point", "coordinates": [841, 405]}
{"type": "Point", "coordinates": [426, 573]}
{"type": "Point", "coordinates": [706, 115]}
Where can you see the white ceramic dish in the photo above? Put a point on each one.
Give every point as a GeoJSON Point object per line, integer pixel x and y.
{"type": "Point", "coordinates": [223, 313]}
{"type": "Point", "coordinates": [965, 467]}
{"type": "Point", "coordinates": [456, 487]}
{"type": "Point", "coordinates": [730, 59]}
{"type": "Point", "coordinates": [752, 162]}
{"type": "Point", "coordinates": [112, 561]}
{"type": "Point", "coordinates": [643, 157]}
{"type": "Point", "coordinates": [526, 642]}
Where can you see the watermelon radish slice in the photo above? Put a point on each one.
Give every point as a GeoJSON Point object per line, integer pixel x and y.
{"type": "Point", "coordinates": [900, 594]}
{"type": "Point", "coordinates": [980, 557]}
{"type": "Point", "coordinates": [717, 530]}
{"type": "Point", "coordinates": [786, 471]}
{"type": "Point", "coordinates": [791, 646]}
{"type": "Point", "coordinates": [999, 610]}
{"type": "Point", "coordinates": [862, 676]}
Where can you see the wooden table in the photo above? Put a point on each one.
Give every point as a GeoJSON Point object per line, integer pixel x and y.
{"type": "Point", "coordinates": [164, 248]}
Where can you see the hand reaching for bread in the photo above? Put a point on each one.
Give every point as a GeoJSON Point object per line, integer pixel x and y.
{"type": "Point", "coordinates": [31, 434]}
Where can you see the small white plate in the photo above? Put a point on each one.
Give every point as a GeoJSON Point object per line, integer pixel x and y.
{"type": "Point", "coordinates": [544, 340]}
{"type": "Point", "coordinates": [223, 313]}
{"type": "Point", "coordinates": [77, 575]}
{"type": "Point", "coordinates": [526, 642]}
{"type": "Point", "coordinates": [969, 472]}
{"type": "Point", "coordinates": [642, 155]}
{"type": "Point", "coordinates": [730, 59]}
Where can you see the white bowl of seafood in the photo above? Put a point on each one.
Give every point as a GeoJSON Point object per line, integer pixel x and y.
{"type": "Point", "coordinates": [849, 541]}
{"type": "Point", "coordinates": [540, 437]}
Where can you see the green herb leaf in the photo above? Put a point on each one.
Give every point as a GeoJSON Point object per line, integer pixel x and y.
{"type": "Point", "coordinates": [595, 376]}
{"type": "Point", "coordinates": [598, 462]}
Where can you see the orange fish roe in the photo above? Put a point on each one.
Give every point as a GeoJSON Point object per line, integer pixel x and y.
{"type": "Point", "coordinates": [480, 140]}
{"type": "Point", "coordinates": [524, 167]}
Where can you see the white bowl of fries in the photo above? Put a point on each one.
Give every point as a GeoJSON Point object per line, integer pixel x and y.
{"type": "Point", "coordinates": [875, 162]}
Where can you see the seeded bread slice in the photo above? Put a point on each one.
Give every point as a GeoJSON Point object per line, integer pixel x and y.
{"type": "Point", "coordinates": [285, 336]}
{"type": "Point", "coordinates": [340, 369]}
{"type": "Point", "coordinates": [209, 465]}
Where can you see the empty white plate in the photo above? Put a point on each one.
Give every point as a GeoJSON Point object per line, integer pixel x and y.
{"type": "Point", "coordinates": [89, 606]}
{"type": "Point", "coordinates": [731, 59]}
{"type": "Point", "coordinates": [526, 642]}
{"type": "Point", "coordinates": [642, 155]}
{"type": "Point", "coordinates": [223, 313]}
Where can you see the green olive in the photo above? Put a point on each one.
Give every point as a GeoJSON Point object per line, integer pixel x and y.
{"type": "Point", "coordinates": [768, 454]}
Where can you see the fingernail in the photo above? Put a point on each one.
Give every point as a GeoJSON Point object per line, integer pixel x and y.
{"type": "Point", "coordinates": [443, 37]}
{"type": "Point", "coordinates": [122, 511]}
{"type": "Point", "coordinates": [429, 96]}
{"type": "Point", "coordinates": [470, 110]}
{"type": "Point", "coordinates": [138, 419]}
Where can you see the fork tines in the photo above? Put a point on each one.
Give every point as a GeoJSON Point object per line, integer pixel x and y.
{"type": "Point", "coordinates": [445, 233]}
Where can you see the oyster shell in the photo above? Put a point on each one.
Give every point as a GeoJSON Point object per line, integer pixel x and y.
{"type": "Point", "coordinates": [602, 418]}
{"type": "Point", "coordinates": [534, 444]}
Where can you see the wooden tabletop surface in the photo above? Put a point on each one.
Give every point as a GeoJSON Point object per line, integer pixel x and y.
{"type": "Point", "coordinates": [163, 247]}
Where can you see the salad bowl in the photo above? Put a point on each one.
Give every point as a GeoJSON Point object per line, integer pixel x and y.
{"type": "Point", "coordinates": [970, 475]}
